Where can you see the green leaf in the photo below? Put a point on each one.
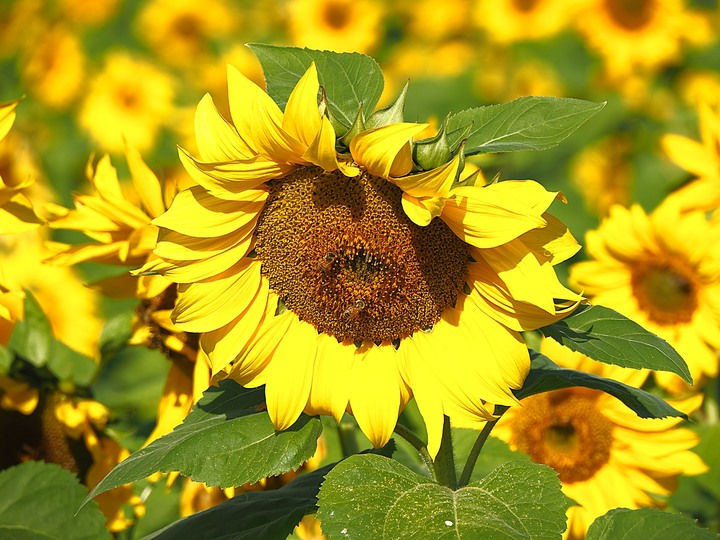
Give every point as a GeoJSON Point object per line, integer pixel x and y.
{"type": "Point", "coordinates": [6, 359]}
{"type": "Point", "coordinates": [268, 515]}
{"type": "Point", "coordinates": [545, 376]}
{"type": "Point", "coordinates": [527, 123]}
{"type": "Point", "coordinates": [607, 336]}
{"type": "Point", "coordinates": [645, 524]}
{"type": "Point", "coordinates": [374, 497]}
{"type": "Point", "coordinates": [33, 340]}
{"type": "Point", "coordinates": [116, 333]}
{"type": "Point", "coordinates": [349, 79]}
{"type": "Point", "coordinates": [39, 500]}
{"type": "Point", "coordinates": [224, 441]}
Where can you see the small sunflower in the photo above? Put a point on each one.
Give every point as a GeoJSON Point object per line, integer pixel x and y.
{"type": "Point", "coordinates": [337, 25]}
{"type": "Point", "coordinates": [605, 455]}
{"type": "Point", "coordinates": [661, 270]}
{"type": "Point", "coordinates": [342, 281]}
{"type": "Point", "coordinates": [702, 159]}
{"type": "Point", "coordinates": [632, 35]}
{"type": "Point", "coordinates": [508, 21]}
{"type": "Point", "coordinates": [129, 100]}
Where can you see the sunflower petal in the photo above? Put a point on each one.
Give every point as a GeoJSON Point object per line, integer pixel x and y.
{"type": "Point", "coordinates": [302, 114]}
{"type": "Point", "coordinates": [377, 149]}
{"type": "Point", "coordinates": [330, 391]}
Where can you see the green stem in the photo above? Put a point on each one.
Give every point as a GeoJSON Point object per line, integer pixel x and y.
{"type": "Point", "coordinates": [348, 442]}
{"type": "Point", "coordinates": [419, 445]}
{"type": "Point", "coordinates": [444, 464]}
{"type": "Point", "coordinates": [477, 447]}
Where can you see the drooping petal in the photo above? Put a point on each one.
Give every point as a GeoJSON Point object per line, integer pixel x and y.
{"type": "Point", "coordinates": [146, 183]}
{"type": "Point", "coordinates": [331, 383]}
{"type": "Point", "coordinates": [216, 138]}
{"type": "Point", "coordinates": [377, 149]}
{"type": "Point", "coordinates": [422, 211]}
{"type": "Point", "coordinates": [302, 116]}
{"type": "Point", "coordinates": [432, 183]}
{"type": "Point", "coordinates": [321, 152]}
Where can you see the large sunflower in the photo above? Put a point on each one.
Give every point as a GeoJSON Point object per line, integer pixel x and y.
{"type": "Point", "coordinates": [342, 281]}
{"type": "Point", "coordinates": [606, 456]}
{"type": "Point", "coordinates": [661, 270]}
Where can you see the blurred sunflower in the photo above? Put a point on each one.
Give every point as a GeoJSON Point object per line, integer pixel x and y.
{"type": "Point", "coordinates": [663, 271]}
{"type": "Point", "coordinates": [181, 31]}
{"type": "Point", "coordinates": [605, 455]}
{"type": "Point", "coordinates": [129, 100]}
{"type": "Point", "coordinates": [326, 278]}
{"type": "Point", "coordinates": [640, 34]}
{"type": "Point", "coordinates": [119, 222]}
{"type": "Point", "coordinates": [88, 12]}
{"type": "Point", "coordinates": [702, 159]}
{"type": "Point", "coordinates": [337, 25]}
{"type": "Point", "coordinates": [507, 21]}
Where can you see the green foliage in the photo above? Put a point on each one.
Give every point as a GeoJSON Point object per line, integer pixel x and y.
{"type": "Point", "coordinates": [527, 123]}
{"type": "Point", "coordinates": [545, 376]}
{"type": "Point", "coordinates": [607, 336]}
{"type": "Point", "coordinates": [350, 79]}
{"type": "Point", "coordinates": [374, 497]}
{"type": "Point", "coordinates": [224, 441]}
{"type": "Point", "coordinates": [116, 333]}
{"type": "Point", "coordinates": [39, 501]}
{"type": "Point", "coordinates": [645, 524]}
{"type": "Point", "coordinates": [33, 340]}
{"type": "Point", "coordinates": [494, 452]}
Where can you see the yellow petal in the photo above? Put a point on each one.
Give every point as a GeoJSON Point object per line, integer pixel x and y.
{"type": "Point", "coordinates": [422, 211]}
{"type": "Point", "coordinates": [7, 117]}
{"type": "Point", "coordinates": [18, 216]}
{"type": "Point", "coordinates": [290, 375]}
{"type": "Point", "coordinates": [146, 183]}
{"type": "Point", "coordinates": [433, 183]}
{"type": "Point", "coordinates": [322, 153]}
{"type": "Point", "coordinates": [216, 138]}
{"type": "Point", "coordinates": [330, 391]}
{"type": "Point", "coordinates": [302, 115]}
{"type": "Point", "coordinates": [375, 392]}
{"type": "Point", "coordinates": [377, 149]}
{"type": "Point", "coordinates": [175, 402]}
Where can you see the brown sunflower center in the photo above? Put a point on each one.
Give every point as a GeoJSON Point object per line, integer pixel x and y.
{"type": "Point", "coordinates": [342, 255]}
{"type": "Point", "coordinates": [188, 27]}
{"type": "Point", "coordinates": [666, 292]}
{"type": "Point", "coordinates": [525, 5]}
{"type": "Point", "coordinates": [630, 14]}
{"type": "Point", "coordinates": [336, 15]}
{"type": "Point", "coordinates": [565, 430]}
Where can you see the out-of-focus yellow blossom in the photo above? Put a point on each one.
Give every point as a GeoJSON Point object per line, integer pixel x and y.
{"type": "Point", "coordinates": [700, 87]}
{"type": "Point", "coordinates": [602, 174]}
{"type": "Point", "coordinates": [501, 79]}
{"type": "Point", "coordinates": [425, 60]}
{"type": "Point", "coordinates": [309, 528]}
{"type": "Point", "coordinates": [18, 395]}
{"type": "Point", "coordinates": [702, 159]}
{"type": "Point", "coordinates": [663, 271]}
{"type": "Point", "coordinates": [19, 22]}
{"type": "Point", "coordinates": [640, 35]}
{"type": "Point", "coordinates": [337, 25]}
{"type": "Point", "coordinates": [88, 12]}
{"type": "Point", "coordinates": [53, 68]}
{"type": "Point", "coordinates": [605, 455]}
{"type": "Point", "coordinates": [507, 21]}
{"type": "Point", "coordinates": [181, 31]}
{"type": "Point", "coordinates": [129, 100]}
{"type": "Point", "coordinates": [449, 19]}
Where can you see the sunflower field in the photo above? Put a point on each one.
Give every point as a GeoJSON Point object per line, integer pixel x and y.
{"type": "Point", "coordinates": [343, 269]}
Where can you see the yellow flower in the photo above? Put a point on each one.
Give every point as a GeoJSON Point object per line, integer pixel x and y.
{"type": "Point", "coordinates": [639, 35]}
{"type": "Point", "coordinates": [702, 159]}
{"type": "Point", "coordinates": [18, 395]}
{"type": "Point", "coordinates": [507, 21]}
{"type": "Point", "coordinates": [53, 68]}
{"type": "Point", "coordinates": [663, 271]}
{"type": "Point", "coordinates": [697, 88]}
{"type": "Point", "coordinates": [129, 100]}
{"type": "Point", "coordinates": [338, 25]}
{"type": "Point", "coordinates": [181, 31]}
{"type": "Point", "coordinates": [605, 455]}
{"type": "Point", "coordinates": [328, 280]}
{"type": "Point", "coordinates": [603, 175]}
{"type": "Point", "coordinates": [88, 12]}
{"type": "Point", "coordinates": [502, 78]}
{"type": "Point", "coordinates": [449, 19]}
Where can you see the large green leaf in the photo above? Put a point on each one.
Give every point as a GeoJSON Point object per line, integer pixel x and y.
{"type": "Point", "coordinates": [350, 79]}
{"type": "Point", "coordinates": [645, 524]}
{"type": "Point", "coordinates": [33, 340]}
{"type": "Point", "coordinates": [527, 123]}
{"type": "Point", "coordinates": [374, 497]}
{"type": "Point", "coordinates": [268, 515]}
{"type": "Point", "coordinates": [224, 441]}
{"type": "Point", "coordinates": [39, 500]}
{"type": "Point", "coordinates": [607, 336]}
{"type": "Point", "coordinates": [545, 375]}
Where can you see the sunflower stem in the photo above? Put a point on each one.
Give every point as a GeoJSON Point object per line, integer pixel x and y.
{"type": "Point", "coordinates": [477, 447]}
{"type": "Point", "coordinates": [444, 463]}
{"type": "Point", "coordinates": [348, 442]}
{"type": "Point", "coordinates": [419, 445]}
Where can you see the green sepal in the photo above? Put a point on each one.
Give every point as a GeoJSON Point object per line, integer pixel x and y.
{"type": "Point", "coordinates": [358, 126]}
{"type": "Point", "coordinates": [393, 114]}
{"type": "Point", "coordinates": [431, 153]}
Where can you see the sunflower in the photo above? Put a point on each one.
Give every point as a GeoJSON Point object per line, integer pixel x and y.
{"type": "Point", "coordinates": [662, 271]}
{"type": "Point", "coordinates": [507, 21]}
{"type": "Point", "coordinates": [639, 35]}
{"type": "Point", "coordinates": [338, 25]}
{"type": "Point", "coordinates": [129, 100]}
{"type": "Point", "coordinates": [606, 456]}
{"type": "Point", "coordinates": [342, 282]}
{"type": "Point", "coordinates": [702, 159]}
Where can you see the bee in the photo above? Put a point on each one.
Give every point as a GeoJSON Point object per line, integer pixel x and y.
{"type": "Point", "coordinates": [325, 264]}
{"type": "Point", "coordinates": [353, 312]}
